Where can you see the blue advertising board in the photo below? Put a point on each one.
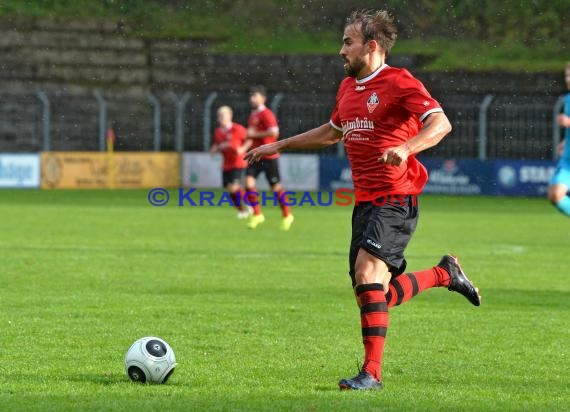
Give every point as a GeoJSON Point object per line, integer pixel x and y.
{"type": "Point", "coordinates": [20, 170]}
{"type": "Point", "coordinates": [334, 173]}
{"type": "Point", "coordinates": [523, 177]}
{"type": "Point", "coordinates": [460, 176]}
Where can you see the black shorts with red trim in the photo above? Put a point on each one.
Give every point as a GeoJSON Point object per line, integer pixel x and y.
{"type": "Point", "coordinates": [268, 166]}
{"type": "Point", "coordinates": [233, 176]}
{"type": "Point", "coordinates": [384, 230]}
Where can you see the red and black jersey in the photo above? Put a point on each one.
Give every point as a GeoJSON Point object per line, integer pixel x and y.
{"type": "Point", "coordinates": [235, 135]}
{"type": "Point", "coordinates": [380, 111]}
{"type": "Point", "coordinates": [263, 120]}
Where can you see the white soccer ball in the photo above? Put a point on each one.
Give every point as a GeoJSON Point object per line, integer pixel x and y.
{"type": "Point", "coordinates": [150, 360]}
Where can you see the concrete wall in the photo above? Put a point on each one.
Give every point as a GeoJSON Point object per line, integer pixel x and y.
{"type": "Point", "coordinates": [102, 54]}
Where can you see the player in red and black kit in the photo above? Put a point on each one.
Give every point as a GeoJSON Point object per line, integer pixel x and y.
{"type": "Point", "coordinates": [230, 140]}
{"type": "Point", "coordinates": [263, 129]}
{"type": "Point", "coordinates": [385, 117]}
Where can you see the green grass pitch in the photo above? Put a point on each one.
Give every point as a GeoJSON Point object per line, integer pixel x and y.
{"type": "Point", "coordinates": [265, 320]}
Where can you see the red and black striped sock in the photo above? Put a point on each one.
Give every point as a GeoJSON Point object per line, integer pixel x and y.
{"type": "Point", "coordinates": [284, 207]}
{"type": "Point", "coordinates": [253, 200]}
{"type": "Point", "coordinates": [374, 322]}
{"type": "Point", "coordinates": [407, 285]}
{"type": "Point", "coordinates": [237, 201]}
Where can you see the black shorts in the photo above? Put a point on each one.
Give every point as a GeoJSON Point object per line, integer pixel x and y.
{"type": "Point", "coordinates": [268, 166]}
{"type": "Point", "coordinates": [384, 231]}
{"type": "Point", "coordinates": [233, 176]}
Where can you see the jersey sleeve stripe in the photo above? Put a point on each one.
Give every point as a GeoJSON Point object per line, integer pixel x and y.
{"type": "Point", "coordinates": [426, 114]}
{"type": "Point", "coordinates": [335, 126]}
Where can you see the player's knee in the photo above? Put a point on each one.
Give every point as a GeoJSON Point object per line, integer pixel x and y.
{"type": "Point", "coordinates": [367, 276]}
{"type": "Point", "coordinates": [552, 198]}
{"type": "Point", "coordinates": [555, 194]}
{"type": "Point", "coordinates": [364, 277]}
{"type": "Point", "coordinates": [249, 183]}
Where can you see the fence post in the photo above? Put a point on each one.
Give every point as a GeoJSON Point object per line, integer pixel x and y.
{"type": "Point", "coordinates": [208, 119]}
{"type": "Point", "coordinates": [102, 118]}
{"type": "Point", "coordinates": [555, 126]}
{"type": "Point", "coordinates": [46, 119]}
{"type": "Point", "coordinates": [180, 105]}
{"type": "Point", "coordinates": [156, 115]}
{"type": "Point", "coordinates": [483, 126]}
{"type": "Point", "coordinates": [276, 102]}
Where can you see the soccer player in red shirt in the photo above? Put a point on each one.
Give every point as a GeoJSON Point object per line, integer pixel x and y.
{"type": "Point", "coordinates": [230, 140]}
{"type": "Point", "coordinates": [385, 117]}
{"type": "Point", "coordinates": [263, 129]}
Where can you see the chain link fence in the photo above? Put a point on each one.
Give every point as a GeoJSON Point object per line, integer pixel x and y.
{"type": "Point", "coordinates": [484, 127]}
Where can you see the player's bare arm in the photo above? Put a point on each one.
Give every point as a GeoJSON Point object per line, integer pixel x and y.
{"type": "Point", "coordinates": [221, 146]}
{"type": "Point", "coordinates": [252, 133]}
{"type": "Point", "coordinates": [316, 138]}
{"type": "Point", "coordinates": [434, 129]}
{"type": "Point", "coordinates": [563, 120]}
{"type": "Point", "coordinates": [244, 147]}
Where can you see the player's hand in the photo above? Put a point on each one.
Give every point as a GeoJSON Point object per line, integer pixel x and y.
{"type": "Point", "coordinates": [395, 156]}
{"type": "Point", "coordinates": [256, 154]}
{"type": "Point", "coordinates": [563, 120]}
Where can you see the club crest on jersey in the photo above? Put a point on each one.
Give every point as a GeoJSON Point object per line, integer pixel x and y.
{"type": "Point", "coordinates": [372, 102]}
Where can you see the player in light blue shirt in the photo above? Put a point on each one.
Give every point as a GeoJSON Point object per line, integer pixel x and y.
{"type": "Point", "coordinates": [560, 181]}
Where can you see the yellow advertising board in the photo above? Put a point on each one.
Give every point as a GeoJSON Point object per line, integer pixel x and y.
{"type": "Point", "coordinates": [104, 170]}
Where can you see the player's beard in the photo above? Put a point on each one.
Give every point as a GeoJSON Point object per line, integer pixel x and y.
{"type": "Point", "coordinates": [352, 69]}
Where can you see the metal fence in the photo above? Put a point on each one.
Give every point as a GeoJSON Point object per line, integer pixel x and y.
{"type": "Point", "coordinates": [484, 127]}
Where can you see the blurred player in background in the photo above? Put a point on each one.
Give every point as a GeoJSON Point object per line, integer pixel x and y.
{"type": "Point", "coordinates": [263, 129]}
{"type": "Point", "coordinates": [385, 117]}
{"type": "Point", "coordinates": [560, 181]}
{"type": "Point", "coordinates": [230, 140]}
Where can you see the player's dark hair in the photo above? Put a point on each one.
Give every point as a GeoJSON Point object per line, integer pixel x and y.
{"type": "Point", "coordinates": [375, 25]}
{"type": "Point", "coordinates": [258, 89]}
